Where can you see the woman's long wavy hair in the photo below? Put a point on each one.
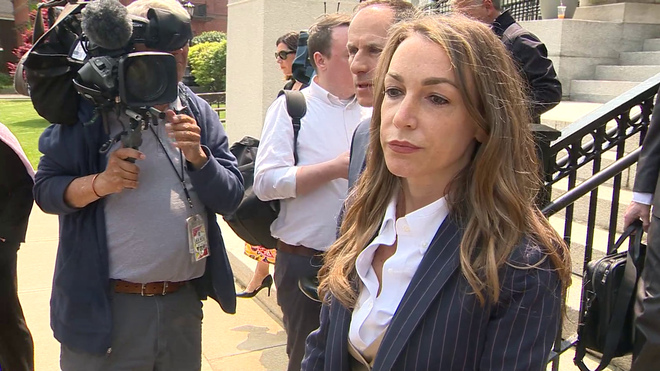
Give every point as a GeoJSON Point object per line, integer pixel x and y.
{"type": "Point", "coordinates": [492, 198]}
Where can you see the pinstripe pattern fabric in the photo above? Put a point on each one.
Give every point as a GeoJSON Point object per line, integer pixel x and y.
{"type": "Point", "coordinates": [439, 325]}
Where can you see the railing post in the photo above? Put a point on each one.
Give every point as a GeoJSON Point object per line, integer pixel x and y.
{"type": "Point", "coordinates": [543, 136]}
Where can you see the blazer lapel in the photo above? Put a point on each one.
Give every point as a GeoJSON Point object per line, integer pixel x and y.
{"type": "Point", "coordinates": [340, 318]}
{"type": "Point", "coordinates": [437, 266]}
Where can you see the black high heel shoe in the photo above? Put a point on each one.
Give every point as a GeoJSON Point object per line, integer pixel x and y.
{"type": "Point", "coordinates": [267, 282]}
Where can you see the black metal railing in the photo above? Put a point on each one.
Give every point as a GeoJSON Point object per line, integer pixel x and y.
{"type": "Point", "coordinates": [217, 100]}
{"type": "Point", "coordinates": [594, 156]}
{"type": "Point", "coordinates": [568, 199]}
{"type": "Point", "coordinates": [521, 10]}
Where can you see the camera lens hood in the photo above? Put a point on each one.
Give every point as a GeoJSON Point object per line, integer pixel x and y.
{"type": "Point", "coordinates": [162, 30]}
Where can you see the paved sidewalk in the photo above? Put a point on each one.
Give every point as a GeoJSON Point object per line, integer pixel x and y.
{"type": "Point", "coordinates": [252, 339]}
{"type": "Point", "coordinates": [13, 96]}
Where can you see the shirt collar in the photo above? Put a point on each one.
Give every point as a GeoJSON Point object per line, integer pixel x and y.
{"type": "Point", "coordinates": [317, 91]}
{"type": "Point", "coordinates": [422, 222]}
{"type": "Point", "coordinates": [177, 105]}
{"type": "Point", "coordinates": [423, 225]}
{"type": "Point", "coordinates": [390, 216]}
{"type": "Point", "coordinates": [425, 221]}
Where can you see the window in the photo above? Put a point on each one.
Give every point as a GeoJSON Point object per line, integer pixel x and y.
{"type": "Point", "coordinates": [200, 10]}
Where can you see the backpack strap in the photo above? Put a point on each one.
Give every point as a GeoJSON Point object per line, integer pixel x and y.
{"type": "Point", "coordinates": [296, 107]}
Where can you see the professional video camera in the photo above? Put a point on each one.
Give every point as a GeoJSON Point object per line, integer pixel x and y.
{"type": "Point", "coordinates": [114, 71]}
{"type": "Point", "coordinates": [117, 77]}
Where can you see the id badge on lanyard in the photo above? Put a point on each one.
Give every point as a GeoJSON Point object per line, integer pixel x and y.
{"type": "Point", "coordinates": [197, 238]}
{"type": "Point", "coordinates": [198, 244]}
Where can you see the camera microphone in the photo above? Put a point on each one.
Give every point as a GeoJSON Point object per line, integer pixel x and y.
{"type": "Point", "coordinates": [106, 24]}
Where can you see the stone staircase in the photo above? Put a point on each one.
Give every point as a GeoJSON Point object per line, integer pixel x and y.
{"type": "Point", "coordinates": [613, 80]}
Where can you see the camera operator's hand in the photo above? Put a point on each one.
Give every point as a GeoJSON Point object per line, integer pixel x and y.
{"type": "Point", "coordinates": [185, 133]}
{"type": "Point", "coordinates": [120, 174]}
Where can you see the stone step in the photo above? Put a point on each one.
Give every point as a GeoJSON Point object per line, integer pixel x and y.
{"type": "Point", "coordinates": [593, 98]}
{"type": "Point", "coordinates": [626, 73]}
{"type": "Point", "coordinates": [651, 45]}
{"type": "Point", "coordinates": [639, 58]}
{"type": "Point", "coordinates": [599, 91]}
{"type": "Point", "coordinates": [566, 113]}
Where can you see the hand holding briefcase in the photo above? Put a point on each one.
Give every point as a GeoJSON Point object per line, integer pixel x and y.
{"type": "Point", "coordinates": [607, 319]}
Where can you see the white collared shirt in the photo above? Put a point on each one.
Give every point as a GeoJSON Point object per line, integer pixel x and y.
{"type": "Point", "coordinates": [325, 133]}
{"type": "Point", "coordinates": [413, 234]}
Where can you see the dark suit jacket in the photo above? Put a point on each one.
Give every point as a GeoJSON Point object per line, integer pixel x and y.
{"type": "Point", "coordinates": [532, 58]}
{"type": "Point", "coordinates": [15, 196]}
{"type": "Point", "coordinates": [358, 156]}
{"type": "Point", "coordinates": [439, 325]}
{"type": "Point", "coordinates": [648, 167]}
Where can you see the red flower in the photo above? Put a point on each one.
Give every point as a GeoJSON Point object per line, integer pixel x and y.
{"type": "Point", "coordinates": [26, 37]}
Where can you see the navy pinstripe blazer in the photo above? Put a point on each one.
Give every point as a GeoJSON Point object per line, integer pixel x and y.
{"type": "Point", "coordinates": [439, 325]}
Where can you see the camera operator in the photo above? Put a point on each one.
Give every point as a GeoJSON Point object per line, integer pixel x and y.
{"type": "Point", "coordinates": [139, 243]}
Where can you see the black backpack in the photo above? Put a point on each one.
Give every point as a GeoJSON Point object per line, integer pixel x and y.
{"type": "Point", "coordinates": [251, 221]}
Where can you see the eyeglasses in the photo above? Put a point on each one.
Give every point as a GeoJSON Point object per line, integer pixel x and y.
{"type": "Point", "coordinates": [283, 54]}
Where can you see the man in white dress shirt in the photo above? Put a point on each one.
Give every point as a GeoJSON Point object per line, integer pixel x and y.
{"type": "Point", "coordinates": [312, 190]}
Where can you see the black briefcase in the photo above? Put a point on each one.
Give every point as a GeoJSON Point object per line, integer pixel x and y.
{"type": "Point", "coordinates": [607, 321]}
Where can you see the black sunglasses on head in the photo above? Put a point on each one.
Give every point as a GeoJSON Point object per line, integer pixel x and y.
{"type": "Point", "coordinates": [283, 54]}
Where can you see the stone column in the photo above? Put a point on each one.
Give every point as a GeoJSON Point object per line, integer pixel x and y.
{"type": "Point", "coordinates": [253, 77]}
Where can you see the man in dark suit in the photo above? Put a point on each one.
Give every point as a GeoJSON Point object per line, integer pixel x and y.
{"type": "Point", "coordinates": [16, 348]}
{"type": "Point", "coordinates": [527, 50]}
{"type": "Point", "coordinates": [367, 36]}
{"type": "Point", "coordinates": [646, 356]}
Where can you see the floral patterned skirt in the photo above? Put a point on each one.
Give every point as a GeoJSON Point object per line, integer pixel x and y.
{"type": "Point", "coordinates": [260, 253]}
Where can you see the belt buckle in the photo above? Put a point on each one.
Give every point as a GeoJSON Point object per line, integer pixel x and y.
{"type": "Point", "coordinates": [144, 285]}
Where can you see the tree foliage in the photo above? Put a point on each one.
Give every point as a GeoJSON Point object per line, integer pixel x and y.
{"type": "Point", "coordinates": [26, 39]}
{"type": "Point", "coordinates": [208, 37]}
{"type": "Point", "coordinates": [208, 62]}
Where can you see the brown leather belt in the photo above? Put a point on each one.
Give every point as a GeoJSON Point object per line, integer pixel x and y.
{"type": "Point", "coordinates": [147, 289]}
{"type": "Point", "coordinates": [297, 250]}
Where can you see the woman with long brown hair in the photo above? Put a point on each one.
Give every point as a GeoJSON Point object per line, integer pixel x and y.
{"type": "Point", "coordinates": [443, 262]}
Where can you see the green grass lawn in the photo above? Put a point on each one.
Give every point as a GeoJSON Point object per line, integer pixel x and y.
{"type": "Point", "coordinates": [21, 118]}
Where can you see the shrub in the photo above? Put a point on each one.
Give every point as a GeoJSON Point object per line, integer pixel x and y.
{"type": "Point", "coordinates": [6, 81]}
{"type": "Point", "coordinates": [208, 37]}
{"type": "Point", "coordinates": [208, 64]}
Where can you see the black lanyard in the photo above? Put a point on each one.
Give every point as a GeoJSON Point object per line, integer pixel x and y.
{"type": "Point", "coordinates": [181, 176]}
